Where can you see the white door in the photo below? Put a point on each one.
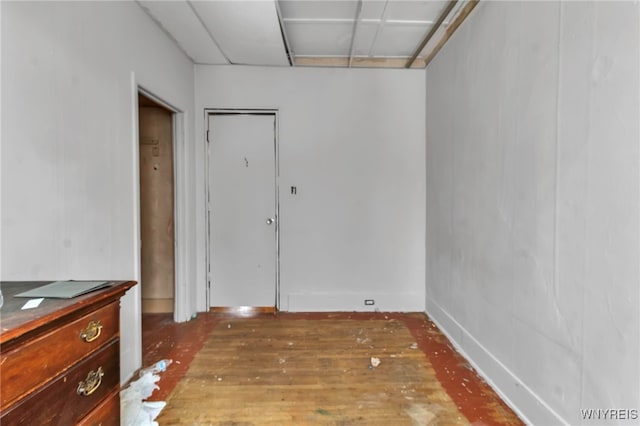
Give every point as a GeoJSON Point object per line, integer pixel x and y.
{"type": "Point", "coordinates": [242, 210]}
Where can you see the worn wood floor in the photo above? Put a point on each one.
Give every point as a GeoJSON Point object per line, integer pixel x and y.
{"type": "Point", "coordinates": [315, 369]}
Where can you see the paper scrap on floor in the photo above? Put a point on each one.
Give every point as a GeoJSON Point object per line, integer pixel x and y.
{"type": "Point", "coordinates": [135, 411]}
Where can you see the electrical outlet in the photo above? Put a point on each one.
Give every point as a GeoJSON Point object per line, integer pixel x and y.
{"type": "Point", "coordinates": [369, 302]}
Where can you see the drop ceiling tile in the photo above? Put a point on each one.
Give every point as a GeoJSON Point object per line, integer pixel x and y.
{"type": "Point", "coordinates": [319, 39]}
{"type": "Point", "coordinates": [247, 32]}
{"type": "Point", "coordinates": [414, 10]}
{"type": "Point", "coordinates": [179, 20]}
{"type": "Point", "coordinates": [364, 38]}
{"type": "Point", "coordinates": [399, 40]}
{"type": "Point", "coordinates": [373, 9]}
{"type": "Point", "coordinates": [318, 9]}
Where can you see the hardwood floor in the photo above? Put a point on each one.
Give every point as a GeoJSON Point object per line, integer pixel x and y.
{"type": "Point", "coordinates": [469, 394]}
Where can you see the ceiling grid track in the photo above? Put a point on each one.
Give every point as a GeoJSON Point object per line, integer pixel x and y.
{"type": "Point", "coordinates": [447, 10]}
{"type": "Point", "coordinates": [204, 25]}
{"type": "Point", "coordinates": [315, 33]}
{"type": "Point", "coordinates": [453, 26]}
{"type": "Point", "coordinates": [355, 32]}
{"type": "Point", "coordinates": [290, 53]}
{"type": "Point", "coordinates": [379, 29]}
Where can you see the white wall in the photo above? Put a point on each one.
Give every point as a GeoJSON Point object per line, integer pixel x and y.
{"type": "Point", "coordinates": [533, 202]}
{"type": "Point", "coordinates": [69, 137]}
{"type": "Point", "coordinates": [352, 141]}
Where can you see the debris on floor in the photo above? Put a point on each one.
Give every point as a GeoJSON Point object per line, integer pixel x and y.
{"type": "Point", "coordinates": [323, 412]}
{"type": "Point", "coordinates": [158, 367]}
{"type": "Point", "coordinates": [375, 362]}
{"type": "Point", "coordinates": [135, 411]}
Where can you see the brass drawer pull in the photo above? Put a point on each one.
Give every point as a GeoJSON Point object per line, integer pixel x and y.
{"type": "Point", "coordinates": [91, 383]}
{"type": "Point", "coordinates": [92, 332]}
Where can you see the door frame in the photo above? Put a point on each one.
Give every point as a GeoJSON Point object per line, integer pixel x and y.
{"type": "Point", "coordinates": [180, 244]}
{"type": "Point", "coordinates": [231, 111]}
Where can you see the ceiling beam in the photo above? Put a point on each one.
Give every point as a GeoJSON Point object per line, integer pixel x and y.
{"type": "Point", "coordinates": [436, 26]}
{"type": "Point", "coordinates": [451, 28]}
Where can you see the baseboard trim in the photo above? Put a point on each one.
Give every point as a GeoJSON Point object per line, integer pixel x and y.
{"type": "Point", "coordinates": [353, 302]}
{"type": "Point", "coordinates": [518, 396]}
{"type": "Point", "coordinates": [243, 311]}
{"type": "Point", "coordinates": [157, 306]}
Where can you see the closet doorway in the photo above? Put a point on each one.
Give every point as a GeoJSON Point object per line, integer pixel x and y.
{"type": "Point", "coordinates": [157, 231]}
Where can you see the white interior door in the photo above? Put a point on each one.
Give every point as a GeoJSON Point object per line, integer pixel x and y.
{"type": "Point", "coordinates": [242, 210]}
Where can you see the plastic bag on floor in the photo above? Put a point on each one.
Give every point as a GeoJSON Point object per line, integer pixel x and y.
{"type": "Point", "coordinates": [134, 410]}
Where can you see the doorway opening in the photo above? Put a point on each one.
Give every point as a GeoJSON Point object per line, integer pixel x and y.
{"type": "Point", "coordinates": [242, 210]}
{"type": "Point", "coordinates": [157, 230]}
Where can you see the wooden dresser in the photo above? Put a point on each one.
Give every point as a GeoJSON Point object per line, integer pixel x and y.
{"type": "Point", "coordinates": [60, 362]}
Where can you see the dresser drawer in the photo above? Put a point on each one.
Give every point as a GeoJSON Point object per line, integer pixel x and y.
{"type": "Point", "coordinates": [60, 403]}
{"type": "Point", "coordinates": [34, 363]}
{"type": "Point", "coordinates": [106, 414]}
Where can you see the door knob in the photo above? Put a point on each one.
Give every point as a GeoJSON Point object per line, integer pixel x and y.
{"type": "Point", "coordinates": [269, 221]}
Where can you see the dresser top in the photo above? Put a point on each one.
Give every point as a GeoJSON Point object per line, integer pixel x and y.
{"type": "Point", "coordinates": [16, 323]}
